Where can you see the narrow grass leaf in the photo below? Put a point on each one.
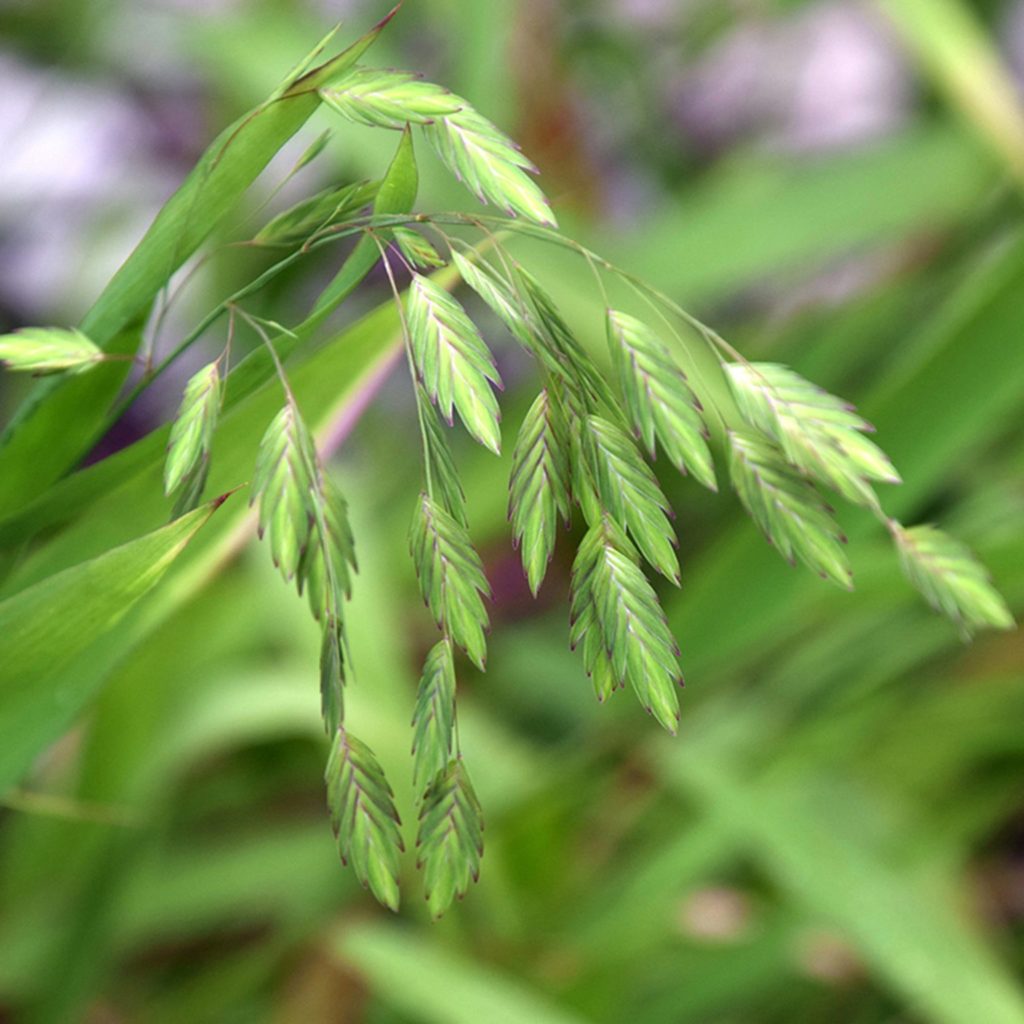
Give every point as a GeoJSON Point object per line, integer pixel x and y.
{"type": "Point", "coordinates": [538, 488]}
{"type": "Point", "coordinates": [787, 507]}
{"type": "Point", "coordinates": [419, 978]}
{"type": "Point", "coordinates": [450, 839]}
{"type": "Point", "coordinates": [453, 361]}
{"type": "Point", "coordinates": [659, 401]}
{"type": "Point", "coordinates": [451, 577]}
{"type": "Point", "coordinates": [50, 625]}
{"type": "Point", "coordinates": [364, 817]}
{"type": "Point", "coordinates": [951, 579]}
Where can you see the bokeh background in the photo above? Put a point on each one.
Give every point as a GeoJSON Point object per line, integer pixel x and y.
{"type": "Point", "coordinates": [837, 834]}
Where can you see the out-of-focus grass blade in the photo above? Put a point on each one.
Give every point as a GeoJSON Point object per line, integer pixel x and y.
{"type": "Point", "coordinates": [764, 216]}
{"type": "Point", "coordinates": [32, 454]}
{"type": "Point", "coordinates": [907, 929]}
{"type": "Point", "coordinates": [952, 45]}
{"type": "Point", "coordinates": [412, 974]}
{"type": "Point", "coordinates": [50, 624]}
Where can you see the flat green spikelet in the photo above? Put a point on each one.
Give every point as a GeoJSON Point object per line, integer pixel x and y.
{"type": "Point", "coordinates": [450, 841]}
{"type": "Point", "coordinates": [45, 350]}
{"type": "Point", "coordinates": [388, 99]}
{"type": "Point", "coordinates": [332, 674]}
{"type": "Point", "coordinates": [418, 252]}
{"type": "Point", "coordinates": [628, 490]}
{"type": "Point", "coordinates": [950, 579]}
{"type": "Point", "coordinates": [284, 484]}
{"type": "Point", "coordinates": [489, 164]}
{"type": "Point", "coordinates": [451, 577]}
{"type": "Point", "coordinates": [587, 637]}
{"type": "Point", "coordinates": [453, 361]}
{"type": "Point", "coordinates": [443, 473]}
{"type": "Point", "coordinates": [819, 433]}
{"type": "Point", "coordinates": [538, 488]}
{"type": "Point", "coordinates": [659, 401]}
{"type": "Point", "coordinates": [610, 595]}
{"type": "Point", "coordinates": [317, 212]}
{"type": "Point", "coordinates": [498, 294]}
{"type": "Point", "coordinates": [787, 507]}
{"type": "Point", "coordinates": [364, 817]}
{"type": "Point", "coordinates": [188, 448]}
{"type": "Point", "coordinates": [433, 720]}
{"type": "Point", "coordinates": [329, 560]}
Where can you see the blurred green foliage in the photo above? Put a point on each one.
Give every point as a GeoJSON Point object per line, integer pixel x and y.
{"type": "Point", "coordinates": [835, 835]}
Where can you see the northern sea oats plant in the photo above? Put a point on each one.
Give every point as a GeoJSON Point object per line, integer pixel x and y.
{"type": "Point", "coordinates": [581, 454]}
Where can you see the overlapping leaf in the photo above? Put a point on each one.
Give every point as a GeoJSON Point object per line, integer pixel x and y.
{"type": "Point", "coordinates": [453, 361]}
{"type": "Point", "coordinates": [538, 488]}
{"type": "Point", "coordinates": [434, 717]}
{"type": "Point", "coordinates": [284, 482]}
{"type": "Point", "coordinates": [45, 350]}
{"type": "Point", "coordinates": [389, 99]}
{"type": "Point", "coordinates": [364, 816]}
{"type": "Point", "coordinates": [188, 448]}
{"type": "Point", "coordinates": [951, 579]}
{"type": "Point", "coordinates": [819, 433]}
{"type": "Point", "coordinates": [627, 489]}
{"type": "Point", "coordinates": [610, 595]}
{"type": "Point", "coordinates": [450, 838]}
{"type": "Point", "coordinates": [489, 163]}
{"type": "Point", "coordinates": [451, 577]}
{"type": "Point", "coordinates": [659, 401]}
{"type": "Point", "coordinates": [787, 507]}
